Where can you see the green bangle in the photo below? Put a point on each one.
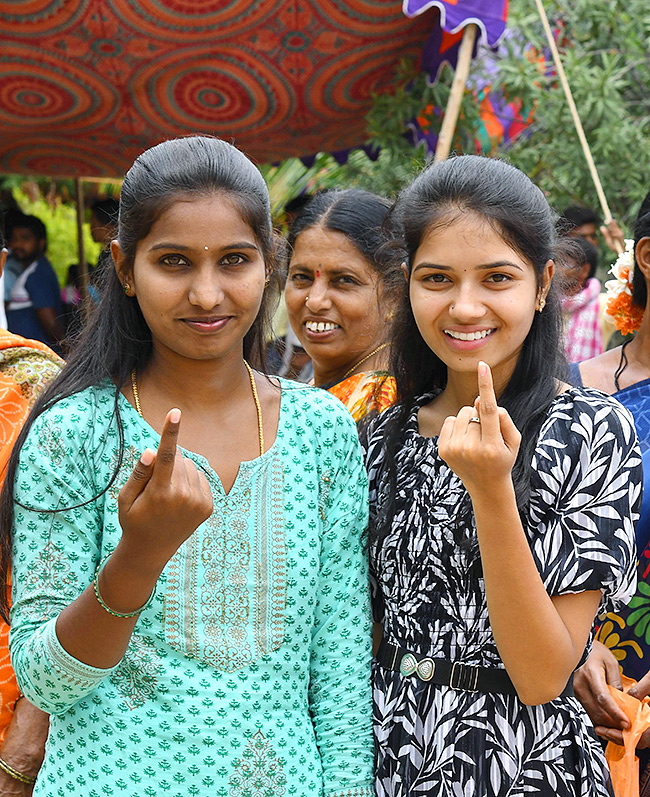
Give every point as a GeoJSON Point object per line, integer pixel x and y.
{"type": "Point", "coordinates": [15, 774]}
{"type": "Point", "coordinates": [100, 600]}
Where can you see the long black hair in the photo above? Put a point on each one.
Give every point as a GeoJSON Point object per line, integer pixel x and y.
{"type": "Point", "coordinates": [506, 199]}
{"type": "Point", "coordinates": [116, 338]}
{"type": "Point", "coordinates": [359, 215]}
{"type": "Point", "coordinates": [641, 230]}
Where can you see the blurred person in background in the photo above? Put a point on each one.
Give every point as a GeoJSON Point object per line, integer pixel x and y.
{"type": "Point", "coordinates": [581, 222]}
{"type": "Point", "coordinates": [580, 304]}
{"type": "Point", "coordinates": [12, 266]}
{"type": "Point", "coordinates": [34, 303]}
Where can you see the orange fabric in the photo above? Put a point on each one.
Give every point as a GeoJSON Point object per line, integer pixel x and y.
{"type": "Point", "coordinates": [19, 385]}
{"type": "Point", "coordinates": [622, 759]}
{"type": "Point", "coordinates": [367, 392]}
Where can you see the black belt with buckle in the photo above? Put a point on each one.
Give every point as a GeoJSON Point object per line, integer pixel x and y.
{"type": "Point", "coordinates": [451, 673]}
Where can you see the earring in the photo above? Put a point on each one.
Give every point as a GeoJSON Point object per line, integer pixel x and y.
{"type": "Point", "coordinates": [127, 288]}
{"type": "Point", "coordinates": [266, 281]}
{"type": "Point", "coordinates": [541, 304]}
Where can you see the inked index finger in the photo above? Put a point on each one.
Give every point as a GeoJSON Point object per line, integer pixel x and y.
{"type": "Point", "coordinates": [488, 409]}
{"type": "Point", "coordinates": [166, 455]}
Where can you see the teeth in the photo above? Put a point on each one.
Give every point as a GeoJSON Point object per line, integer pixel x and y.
{"type": "Point", "coordinates": [468, 335]}
{"type": "Point", "coordinates": [320, 326]}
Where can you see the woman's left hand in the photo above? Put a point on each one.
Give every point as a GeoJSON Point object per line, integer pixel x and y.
{"type": "Point", "coordinates": [481, 452]}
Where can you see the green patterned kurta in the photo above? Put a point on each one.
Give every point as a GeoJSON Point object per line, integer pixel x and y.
{"type": "Point", "coordinates": [249, 675]}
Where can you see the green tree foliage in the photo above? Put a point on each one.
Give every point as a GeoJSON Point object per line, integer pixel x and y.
{"type": "Point", "coordinates": [606, 55]}
{"type": "Point", "coordinates": [605, 50]}
{"type": "Point", "coordinates": [413, 97]}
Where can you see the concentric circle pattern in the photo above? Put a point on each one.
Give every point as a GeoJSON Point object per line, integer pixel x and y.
{"type": "Point", "coordinates": [68, 156]}
{"type": "Point", "coordinates": [31, 18]}
{"type": "Point", "coordinates": [234, 92]}
{"type": "Point", "coordinates": [49, 93]}
{"type": "Point", "coordinates": [88, 84]}
{"type": "Point", "coordinates": [209, 19]}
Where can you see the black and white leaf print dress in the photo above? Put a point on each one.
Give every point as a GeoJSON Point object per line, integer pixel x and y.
{"type": "Point", "coordinates": [585, 495]}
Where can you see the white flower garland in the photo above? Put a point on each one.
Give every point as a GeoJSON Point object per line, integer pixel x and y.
{"type": "Point", "coordinates": [623, 272]}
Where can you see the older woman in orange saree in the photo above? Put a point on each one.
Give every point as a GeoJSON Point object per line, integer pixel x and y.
{"type": "Point", "coordinates": [339, 296]}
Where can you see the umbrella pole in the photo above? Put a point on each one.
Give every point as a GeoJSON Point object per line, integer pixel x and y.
{"type": "Point", "coordinates": [83, 265]}
{"type": "Point", "coordinates": [574, 113]}
{"type": "Point", "coordinates": [452, 110]}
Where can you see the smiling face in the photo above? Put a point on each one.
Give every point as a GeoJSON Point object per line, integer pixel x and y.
{"type": "Point", "coordinates": [474, 297]}
{"type": "Point", "coordinates": [198, 277]}
{"type": "Point", "coordinates": [333, 298]}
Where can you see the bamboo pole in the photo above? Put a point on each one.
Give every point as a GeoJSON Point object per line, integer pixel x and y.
{"type": "Point", "coordinates": [574, 113]}
{"type": "Point", "coordinates": [83, 265]}
{"type": "Point", "coordinates": [452, 110]}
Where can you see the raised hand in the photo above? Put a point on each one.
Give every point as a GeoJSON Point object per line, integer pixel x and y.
{"type": "Point", "coordinates": [164, 500]}
{"type": "Point", "coordinates": [480, 444]}
{"type": "Point", "coordinates": [613, 235]}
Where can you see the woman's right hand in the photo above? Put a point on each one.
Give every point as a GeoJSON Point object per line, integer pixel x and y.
{"type": "Point", "coordinates": [164, 500]}
{"type": "Point", "coordinates": [590, 683]}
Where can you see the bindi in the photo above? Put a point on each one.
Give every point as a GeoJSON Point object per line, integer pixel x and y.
{"type": "Point", "coordinates": [317, 273]}
{"type": "Point", "coordinates": [206, 248]}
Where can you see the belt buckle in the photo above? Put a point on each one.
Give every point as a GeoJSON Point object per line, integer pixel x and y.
{"type": "Point", "coordinates": [424, 669]}
{"type": "Point", "coordinates": [465, 675]}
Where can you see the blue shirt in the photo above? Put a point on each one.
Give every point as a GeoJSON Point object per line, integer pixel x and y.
{"type": "Point", "coordinates": [35, 288]}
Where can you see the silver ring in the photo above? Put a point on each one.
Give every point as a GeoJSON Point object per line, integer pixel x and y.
{"type": "Point", "coordinates": [474, 420]}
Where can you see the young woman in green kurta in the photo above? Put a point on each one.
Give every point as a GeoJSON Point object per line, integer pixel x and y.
{"type": "Point", "coordinates": [189, 583]}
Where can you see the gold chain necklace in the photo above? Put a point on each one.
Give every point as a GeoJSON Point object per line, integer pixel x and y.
{"type": "Point", "coordinates": [260, 427]}
{"type": "Point", "coordinates": [367, 357]}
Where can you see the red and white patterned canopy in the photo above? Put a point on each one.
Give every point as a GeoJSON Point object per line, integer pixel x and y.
{"type": "Point", "coordinates": [86, 85]}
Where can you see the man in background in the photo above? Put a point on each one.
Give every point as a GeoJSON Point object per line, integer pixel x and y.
{"type": "Point", "coordinates": [34, 303]}
{"type": "Point", "coordinates": [581, 222]}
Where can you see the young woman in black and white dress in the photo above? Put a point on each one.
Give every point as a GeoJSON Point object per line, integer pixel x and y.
{"type": "Point", "coordinates": [503, 505]}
